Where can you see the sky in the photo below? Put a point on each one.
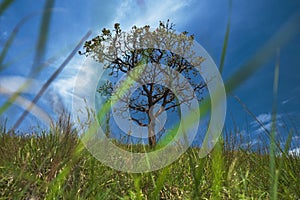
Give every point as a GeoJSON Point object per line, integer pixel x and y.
{"type": "Point", "coordinates": [253, 23]}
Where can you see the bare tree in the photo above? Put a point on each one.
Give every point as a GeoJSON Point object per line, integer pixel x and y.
{"type": "Point", "coordinates": [154, 59]}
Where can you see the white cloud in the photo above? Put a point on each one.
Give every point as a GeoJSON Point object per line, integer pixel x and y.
{"type": "Point", "coordinates": [295, 138]}
{"type": "Point", "coordinates": [64, 87]}
{"type": "Point", "coordinates": [295, 152]}
{"type": "Point", "coordinates": [251, 144]}
{"type": "Point", "coordinates": [266, 120]}
{"type": "Point", "coordinates": [11, 84]}
{"type": "Point", "coordinates": [130, 13]}
{"type": "Point", "coordinates": [79, 85]}
{"type": "Point", "coordinates": [59, 95]}
{"type": "Point", "coordinates": [286, 101]}
{"type": "Point", "coordinates": [263, 118]}
{"type": "Point", "coordinates": [66, 84]}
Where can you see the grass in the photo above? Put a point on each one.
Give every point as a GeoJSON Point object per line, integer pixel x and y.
{"type": "Point", "coordinates": [54, 164]}
{"type": "Point", "coordinates": [42, 165]}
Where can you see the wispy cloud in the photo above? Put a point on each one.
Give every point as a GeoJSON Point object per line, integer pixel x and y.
{"type": "Point", "coordinates": [266, 120]}
{"type": "Point", "coordinates": [80, 85]}
{"type": "Point", "coordinates": [286, 101]}
{"type": "Point", "coordinates": [130, 12]}
{"type": "Point", "coordinates": [11, 84]}
{"type": "Point", "coordinates": [295, 152]}
{"type": "Point", "coordinates": [263, 118]}
{"type": "Point", "coordinates": [295, 138]}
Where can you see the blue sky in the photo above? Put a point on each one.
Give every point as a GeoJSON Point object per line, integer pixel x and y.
{"type": "Point", "coordinates": [252, 24]}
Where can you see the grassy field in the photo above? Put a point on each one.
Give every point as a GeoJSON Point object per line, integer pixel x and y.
{"type": "Point", "coordinates": [49, 165]}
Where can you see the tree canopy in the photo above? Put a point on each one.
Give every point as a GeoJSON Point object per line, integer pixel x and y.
{"type": "Point", "coordinates": [160, 61]}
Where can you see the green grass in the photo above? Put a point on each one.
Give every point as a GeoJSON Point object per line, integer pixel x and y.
{"type": "Point", "coordinates": [48, 165]}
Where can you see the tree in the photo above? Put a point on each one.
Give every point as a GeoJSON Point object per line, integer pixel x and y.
{"type": "Point", "coordinates": [164, 54]}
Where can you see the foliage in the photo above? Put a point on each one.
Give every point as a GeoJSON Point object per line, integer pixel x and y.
{"type": "Point", "coordinates": [150, 58]}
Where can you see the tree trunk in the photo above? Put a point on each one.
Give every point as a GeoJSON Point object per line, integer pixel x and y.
{"type": "Point", "coordinates": [151, 136]}
{"type": "Point", "coordinates": [151, 130]}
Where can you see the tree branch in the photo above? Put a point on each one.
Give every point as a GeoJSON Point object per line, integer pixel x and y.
{"type": "Point", "coordinates": [138, 122]}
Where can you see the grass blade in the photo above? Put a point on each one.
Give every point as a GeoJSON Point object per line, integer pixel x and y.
{"type": "Point", "coordinates": [273, 172]}
{"type": "Point", "coordinates": [137, 185]}
{"type": "Point", "coordinates": [160, 182]}
{"type": "Point", "coordinates": [11, 38]}
{"type": "Point", "coordinates": [217, 170]}
{"type": "Point", "coordinates": [43, 36]}
{"type": "Point", "coordinates": [224, 50]}
{"type": "Point", "coordinates": [4, 5]}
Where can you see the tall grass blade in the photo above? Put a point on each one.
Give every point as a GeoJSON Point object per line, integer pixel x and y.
{"type": "Point", "coordinates": [217, 156]}
{"type": "Point", "coordinates": [137, 185]}
{"type": "Point", "coordinates": [11, 38]}
{"type": "Point", "coordinates": [217, 169]}
{"type": "Point", "coordinates": [55, 186]}
{"type": "Point", "coordinates": [197, 171]}
{"type": "Point", "coordinates": [43, 36]}
{"type": "Point", "coordinates": [160, 182]}
{"type": "Point", "coordinates": [4, 5]}
{"type": "Point", "coordinates": [224, 50]}
{"type": "Point", "coordinates": [273, 172]}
